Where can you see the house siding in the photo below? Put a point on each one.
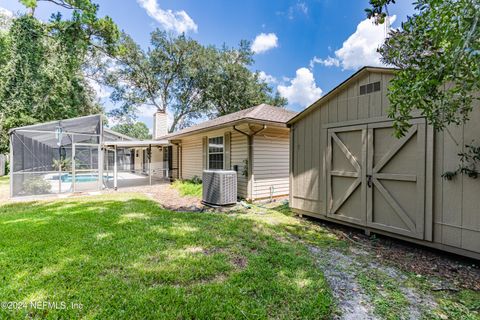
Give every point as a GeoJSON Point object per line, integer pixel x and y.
{"type": "Point", "coordinates": [192, 156]}
{"type": "Point", "coordinates": [271, 163]}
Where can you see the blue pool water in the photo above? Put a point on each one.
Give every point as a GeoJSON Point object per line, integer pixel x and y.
{"type": "Point", "coordinates": [81, 178]}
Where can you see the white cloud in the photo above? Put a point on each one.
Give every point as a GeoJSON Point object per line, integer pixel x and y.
{"type": "Point", "coordinates": [328, 62]}
{"type": "Point", "coordinates": [178, 21]}
{"type": "Point", "coordinates": [302, 89]}
{"type": "Point", "coordinates": [360, 49]}
{"type": "Point", "coordinates": [266, 77]}
{"type": "Point", "coordinates": [264, 42]}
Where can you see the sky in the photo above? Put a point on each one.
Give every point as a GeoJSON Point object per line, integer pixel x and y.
{"type": "Point", "coordinates": [303, 48]}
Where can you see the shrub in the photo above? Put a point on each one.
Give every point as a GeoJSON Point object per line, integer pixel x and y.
{"type": "Point", "coordinates": [36, 185]}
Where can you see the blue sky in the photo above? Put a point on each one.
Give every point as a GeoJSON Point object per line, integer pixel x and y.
{"type": "Point", "coordinates": [304, 48]}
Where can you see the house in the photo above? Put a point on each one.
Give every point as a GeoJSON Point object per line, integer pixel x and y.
{"type": "Point", "coordinates": [254, 142]}
{"type": "Point", "coordinates": [346, 167]}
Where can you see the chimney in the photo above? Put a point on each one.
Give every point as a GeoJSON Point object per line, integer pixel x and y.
{"type": "Point", "coordinates": [159, 124]}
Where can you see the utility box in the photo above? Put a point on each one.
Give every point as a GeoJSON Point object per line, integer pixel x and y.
{"type": "Point", "coordinates": [219, 187]}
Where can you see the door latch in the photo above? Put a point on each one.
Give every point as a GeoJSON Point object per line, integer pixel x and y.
{"type": "Point", "coordinates": [369, 180]}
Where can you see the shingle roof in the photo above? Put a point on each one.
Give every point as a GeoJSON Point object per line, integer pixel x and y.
{"type": "Point", "coordinates": [260, 113]}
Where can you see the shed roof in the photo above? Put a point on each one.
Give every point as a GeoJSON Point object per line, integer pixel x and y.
{"type": "Point", "coordinates": [262, 113]}
{"type": "Point", "coordinates": [338, 88]}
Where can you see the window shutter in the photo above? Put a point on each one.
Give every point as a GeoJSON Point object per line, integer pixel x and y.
{"type": "Point", "coordinates": [205, 153]}
{"type": "Point", "coordinates": [226, 151]}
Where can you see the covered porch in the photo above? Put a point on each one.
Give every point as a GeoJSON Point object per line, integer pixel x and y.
{"type": "Point", "coordinates": [131, 163]}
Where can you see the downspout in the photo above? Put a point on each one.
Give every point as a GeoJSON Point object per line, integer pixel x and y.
{"type": "Point", "coordinates": [179, 162]}
{"type": "Point", "coordinates": [250, 157]}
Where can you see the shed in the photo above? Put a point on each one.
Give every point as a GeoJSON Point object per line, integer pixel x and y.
{"type": "Point", "coordinates": [347, 167]}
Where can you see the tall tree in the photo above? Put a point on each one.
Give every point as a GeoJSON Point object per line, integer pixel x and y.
{"type": "Point", "coordinates": [437, 51]}
{"type": "Point", "coordinates": [187, 79]}
{"type": "Point", "coordinates": [42, 65]}
{"type": "Point", "coordinates": [137, 130]}
{"type": "Point", "coordinates": [162, 77]}
{"type": "Point", "coordinates": [230, 86]}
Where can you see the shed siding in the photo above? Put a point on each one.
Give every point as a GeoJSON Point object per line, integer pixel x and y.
{"type": "Point", "coordinates": [456, 217]}
{"type": "Point", "coordinates": [456, 213]}
{"type": "Point", "coordinates": [271, 163]}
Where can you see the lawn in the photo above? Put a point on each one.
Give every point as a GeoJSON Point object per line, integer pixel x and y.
{"type": "Point", "coordinates": [4, 183]}
{"type": "Point", "coordinates": [123, 257]}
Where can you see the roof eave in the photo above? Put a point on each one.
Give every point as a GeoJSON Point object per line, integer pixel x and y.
{"type": "Point", "coordinates": [224, 125]}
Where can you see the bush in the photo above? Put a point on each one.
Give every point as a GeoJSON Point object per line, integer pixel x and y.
{"type": "Point", "coordinates": [195, 180]}
{"type": "Point", "coordinates": [188, 188]}
{"type": "Point", "coordinates": [36, 185]}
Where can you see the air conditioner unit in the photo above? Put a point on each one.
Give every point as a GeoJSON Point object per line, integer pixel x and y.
{"type": "Point", "coordinates": [219, 187]}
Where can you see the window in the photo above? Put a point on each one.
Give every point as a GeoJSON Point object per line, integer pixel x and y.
{"type": "Point", "coordinates": [215, 153]}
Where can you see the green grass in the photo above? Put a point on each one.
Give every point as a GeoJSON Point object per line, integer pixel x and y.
{"type": "Point", "coordinates": [123, 257]}
{"type": "Point", "coordinates": [188, 188]}
{"type": "Point", "coordinates": [387, 299]}
{"type": "Point", "coordinates": [4, 187]}
{"type": "Point", "coordinates": [4, 181]}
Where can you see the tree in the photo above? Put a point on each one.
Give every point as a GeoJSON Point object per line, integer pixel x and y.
{"type": "Point", "coordinates": [231, 86]}
{"type": "Point", "coordinates": [437, 51]}
{"type": "Point", "coordinates": [162, 77]}
{"type": "Point", "coordinates": [42, 66]}
{"type": "Point", "coordinates": [187, 79]}
{"type": "Point", "coordinates": [137, 130]}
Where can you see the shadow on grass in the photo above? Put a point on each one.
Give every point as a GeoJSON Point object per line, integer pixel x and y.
{"type": "Point", "coordinates": [129, 258]}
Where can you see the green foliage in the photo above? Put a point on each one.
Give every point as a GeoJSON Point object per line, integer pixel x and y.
{"type": "Point", "coordinates": [36, 185]}
{"type": "Point", "coordinates": [438, 53]}
{"type": "Point", "coordinates": [196, 180]}
{"type": "Point", "coordinates": [469, 163]}
{"type": "Point", "coordinates": [137, 130]}
{"type": "Point", "coordinates": [43, 65]}
{"type": "Point", "coordinates": [187, 79]}
{"type": "Point", "coordinates": [378, 10]}
{"type": "Point", "coordinates": [189, 188]}
{"type": "Point", "coordinates": [65, 164]}
{"type": "Point", "coordinates": [230, 86]}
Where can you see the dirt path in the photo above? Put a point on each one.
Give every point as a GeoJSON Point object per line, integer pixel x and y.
{"type": "Point", "coordinates": [351, 275]}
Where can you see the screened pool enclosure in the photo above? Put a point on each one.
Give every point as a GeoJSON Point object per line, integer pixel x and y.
{"type": "Point", "coordinates": [81, 155]}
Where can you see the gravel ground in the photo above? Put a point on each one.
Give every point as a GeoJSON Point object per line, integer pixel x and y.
{"type": "Point", "coordinates": [342, 269]}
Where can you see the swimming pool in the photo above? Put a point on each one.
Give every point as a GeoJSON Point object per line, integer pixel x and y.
{"type": "Point", "coordinates": [79, 178]}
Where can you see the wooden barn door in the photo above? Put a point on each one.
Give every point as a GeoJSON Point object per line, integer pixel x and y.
{"type": "Point", "coordinates": [396, 179]}
{"type": "Point", "coordinates": [377, 180]}
{"type": "Point", "coordinates": [346, 172]}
